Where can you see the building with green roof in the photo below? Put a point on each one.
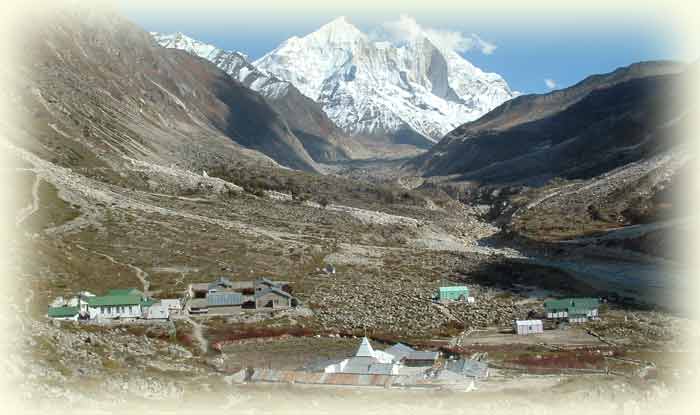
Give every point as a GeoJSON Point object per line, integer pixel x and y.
{"type": "Point", "coordinates": [453, 293]}
{"type": "Point", "coordinates": [117, 304]}
{"type": "Point", "coordinates": [64, 313]}
{"type": "Point", "coordinates": [574, 310]}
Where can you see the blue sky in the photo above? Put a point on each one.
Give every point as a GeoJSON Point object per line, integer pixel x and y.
{"type": "Point", "coordinates": [563, 49]}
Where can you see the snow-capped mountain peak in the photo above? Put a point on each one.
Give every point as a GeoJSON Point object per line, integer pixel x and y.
{"type": "Point", "coordinates": [414, 89]}
{"type": "Point", "coordinates": [372, 87]}
{"type": "Point", "coordinates": [179, 40]}
{"type": "Point", "coordinates": [339, 31]}
{"type": "Point", "coordinates": [234, 63]}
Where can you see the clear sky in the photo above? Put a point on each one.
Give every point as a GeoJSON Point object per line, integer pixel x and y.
{"type": "Point", "coordinates": [534, 53]}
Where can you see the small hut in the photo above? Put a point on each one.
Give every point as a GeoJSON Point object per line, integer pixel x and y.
{"type": "Point", "coordinates": [453, 293]}
{"type": "Point", "coordinates": [525, 327]}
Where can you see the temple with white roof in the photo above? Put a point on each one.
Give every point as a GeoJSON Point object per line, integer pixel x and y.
{"type": "Point", "coordinates": [374, 362]}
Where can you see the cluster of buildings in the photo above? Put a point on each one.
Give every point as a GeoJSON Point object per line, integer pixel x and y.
{"type": "Point", "coordinates": [571, 310]}
{"type": "Point", "coordinates": [368, 361]}
{"type": "Point", "coordinates": [402, 360]}
{"type": "Point", "coordinates": [120, 303]}
{"type": "Point", "coordinates": [219, 297]}
{"type": "Point", "coordinates": [222, 296]}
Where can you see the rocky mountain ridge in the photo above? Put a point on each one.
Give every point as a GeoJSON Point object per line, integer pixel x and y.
{"type": "Point", "coordinates": [413, 93]}
{"type": "Point", "coordinates": [141, 101]}
{"type": "Point", "coordinates": [594, 126]}
{"type": "Point", "coordinates": [323, 140]}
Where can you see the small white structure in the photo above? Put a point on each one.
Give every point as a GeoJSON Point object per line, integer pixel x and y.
{"type": "Point", "coordinates": [525, 327]}
{"type": "Point", "coordinates": [366, 350]}
{"type": "Point", "coordinates": [157, 311]}
{"type": "Point", "coordinates": [174, 305]}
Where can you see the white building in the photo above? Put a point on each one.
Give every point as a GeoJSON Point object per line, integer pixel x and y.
{"type": "Point", "coordinates": [115, 306]}
{"type": "Point", "coordinates": [366, 361]}
{"type": "Point", "coordinates": [174, 305]}
{"type": "Point", "coordinates": [157, 311]}
{"type": "Point", "coordinates": [525, 327]}
{"type": "Point", "coordinates": [574, 310]}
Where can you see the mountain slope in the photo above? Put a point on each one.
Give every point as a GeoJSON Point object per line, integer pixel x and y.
{"type": "Point", "coordinates": [102, 82]}
{"type": "Point", "coordinates": [599, 124]}
{"type": "Point", "coordinates": [607, 153]}
{"type": "Point", "coordinates": [414, 93]}
{"type": "Point", "coordinates": [323, 140]}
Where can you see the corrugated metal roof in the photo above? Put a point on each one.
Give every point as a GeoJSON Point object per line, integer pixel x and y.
{"type": "Point", "coordinates": [224, 299]}
{"type": "Point", "coordinates": [422, 355]}
{"type": "Point", "coordinates": [111, 300]}
{"type": "Point", "coordinates": [273, 290]}
{"type": "Point", "coordinates": [399, 351]}
{"type": "Point", "coordinates": [470, 368]}
{"type": "Point", "coordinates": [381, 369]}
{"type": "Point", "coordinates": [220, 282]}
{"type": "Point", "coordinates": [57, 312]}
{"type": "Point", "coordinates": [566, 303]}
{"type": "Point", "coordinates": [454, 288]}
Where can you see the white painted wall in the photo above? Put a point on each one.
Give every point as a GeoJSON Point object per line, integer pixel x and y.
{"type": "Point", "coordinates": [108, 312]}
{"type": "Point", "coordinates": [529, 327]}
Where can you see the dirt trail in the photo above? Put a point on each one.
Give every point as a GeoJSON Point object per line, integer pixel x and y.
{"type": "Point", "coordinates": [81, 190]}
{"type": "Point", "coordinates": [197, 334]}
{"type": "Point", "coordinates": [140, 274]}
{"type": "Point", "coordinates": [34, 206]}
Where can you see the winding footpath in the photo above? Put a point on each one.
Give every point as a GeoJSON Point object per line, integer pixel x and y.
{"type": "Point", "coordinates": [140, 274]}
{"type": "Point", "coordinates": [34, 206]}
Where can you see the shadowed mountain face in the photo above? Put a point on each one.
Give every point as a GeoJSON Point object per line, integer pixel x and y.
{"type": "Point", "coordinates": [94, 77]}
{"type": "Point", "coordinates": [601, 123]}
{"type": "Point", "coordinates": [321, 138]}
